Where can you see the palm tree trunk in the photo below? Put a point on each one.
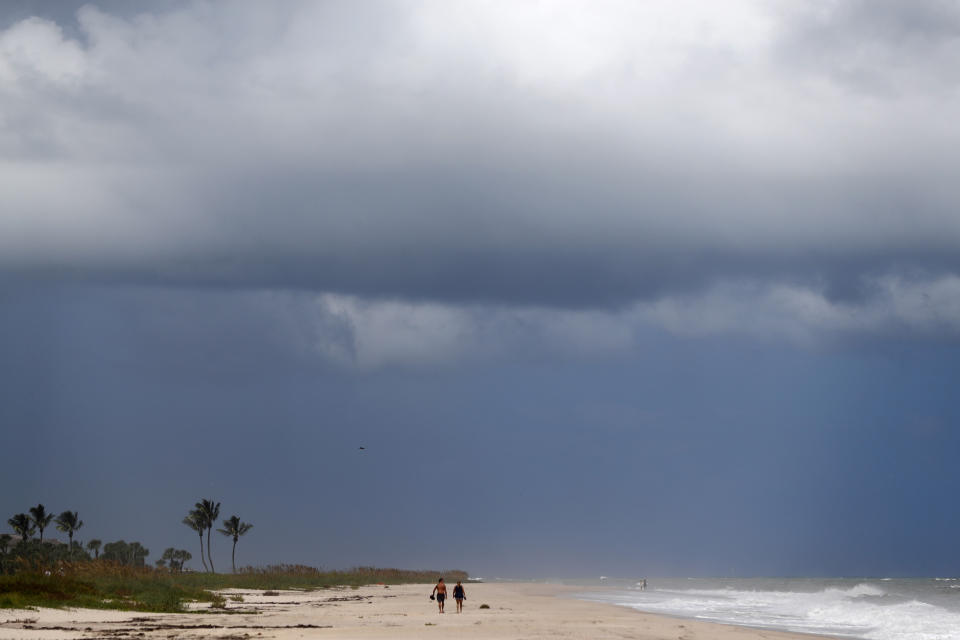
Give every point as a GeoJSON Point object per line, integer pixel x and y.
{"type": "Point", "coordinates": [210, 557]}
{"type": "Point", "coordinates": [201, 551]}
{"type": "Point", "coordinates": [233, 556]}
{"type": "Point", "coordinates": [70, 547]}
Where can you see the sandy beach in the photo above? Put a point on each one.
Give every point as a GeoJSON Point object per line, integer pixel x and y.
{"type": "Point", "coordinates": [517, 610]}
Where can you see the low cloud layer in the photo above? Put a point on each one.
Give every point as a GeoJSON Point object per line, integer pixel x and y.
{"type": "Point", "coordinates": [251, 330]}
{"type": "Point", "coordinates": [388, 333]}
{"type": "Point", "coordinates": [416, 163]}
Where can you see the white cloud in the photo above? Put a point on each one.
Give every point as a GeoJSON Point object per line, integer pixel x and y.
{"type": "Point", "coordinates": [388, 333]}
{"type": "Point", "coordinates": [36, 51]}
{"type": "Point", "coordinates": [392, 333]}
{"type": "Point", "coordinates": [920, 307]}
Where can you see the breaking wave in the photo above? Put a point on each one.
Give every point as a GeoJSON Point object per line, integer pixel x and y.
{"type": "Point", "coordinates": [861, 610]}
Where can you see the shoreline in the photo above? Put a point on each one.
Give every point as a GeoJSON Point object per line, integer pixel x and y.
{"type": "Point", "coordinates": [766, 630]}
{"type": "Point", "coordinates": [517, 610]}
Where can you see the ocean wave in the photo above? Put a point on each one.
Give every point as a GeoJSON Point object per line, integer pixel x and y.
{"type": "Point", "coordinates": [859, 591]}
{"type": "Point", "coordinates": [862, 610]}
{"type": "Point", "coordinates": [912, 620]}
{"type": "Point", "coordinates": [863, 589]}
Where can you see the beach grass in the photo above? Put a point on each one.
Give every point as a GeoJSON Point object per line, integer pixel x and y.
{"type": "Point", "coordinates": [142, 592]}
{"type": "Point", "coordinates": [100, 585]}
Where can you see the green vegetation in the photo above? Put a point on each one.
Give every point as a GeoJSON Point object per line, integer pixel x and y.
{"type": "Point", "coordinates": [69, 522]}
{"type": "Point", "coordinates": [195, 521]}
{"type": "Point", "coordinates": [218, 602]}
{"type": "Point", "coordinates": [40, 518]}
{"type": "Point", "coordinates": [22, 525]}
{"type": "Point", "coordinates": [285, 576]}
{"type": "Point", "coordinates": [232, 527]}
{"type": "Point", "coordinates": [131, 554]}
{"type": "Point", "coordinates": [33, 555]}
{"type": "Point", "coordinates": [30, 555]}
{"type": "Point", "coordinates": [207, 512]}
{"type": "Point", "coordinates": [97, 585]}
{"type": "Point", "coordinates": [100, 584]}
{"type": "Point", "coordinates": [173, 559]}
{"type": "Point", "coordinates": [38, 573]}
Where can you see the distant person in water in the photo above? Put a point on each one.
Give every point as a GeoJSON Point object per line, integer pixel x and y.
{"type": "Point", "coordinates": [643, 585]}
{"type": "Point", "coordinates": [459, 596]}
{"type": "Point", "coordinates": [441, 591]}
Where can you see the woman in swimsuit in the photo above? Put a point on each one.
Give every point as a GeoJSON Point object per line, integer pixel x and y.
{"type": "Point", "coordinates": [459, 596]}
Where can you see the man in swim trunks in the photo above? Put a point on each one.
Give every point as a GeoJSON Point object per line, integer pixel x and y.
{"type": "Point", "coordinates": [459, 596]}
{"type": "Point", "coordinates": [441, 591]}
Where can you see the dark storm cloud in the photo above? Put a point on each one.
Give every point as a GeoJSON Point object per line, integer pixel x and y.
{"type": "Point", "coordinates": [467, 156]}
{"type": "Point", "coordinates": [605, 266]}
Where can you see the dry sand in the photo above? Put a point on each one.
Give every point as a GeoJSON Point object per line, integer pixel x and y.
{"type": "Point", "coordinates": [517, 610]}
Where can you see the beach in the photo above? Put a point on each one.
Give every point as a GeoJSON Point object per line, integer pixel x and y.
{"type": "Point", "coordinates": [516, 610]}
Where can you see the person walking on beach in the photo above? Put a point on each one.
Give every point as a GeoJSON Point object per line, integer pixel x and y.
{"type": "Point", "coordinates": [459, 596]}
{"type": "Point", "coordinates": [441, 591]}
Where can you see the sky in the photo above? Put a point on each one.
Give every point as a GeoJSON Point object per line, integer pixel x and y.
{"type": "Point", "coordinates": [618, 288]}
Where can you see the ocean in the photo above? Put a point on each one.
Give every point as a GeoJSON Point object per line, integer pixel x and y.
{"type": "Point", "coordinates": [869, 608]}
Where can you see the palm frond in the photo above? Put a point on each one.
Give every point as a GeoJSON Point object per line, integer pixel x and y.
{"type": "Point", "coordinates": [233, 527]}
{"type": "Point", "coordinates": [22, 525]}
{"type": "Point", "coordinates": [40, 516]}
{"type": "Point", "coordinates": [69, 521]}
{"type": "Point", "coordinates": [210, 511]}
{"type": "Point", "coordinates": [195, 521]}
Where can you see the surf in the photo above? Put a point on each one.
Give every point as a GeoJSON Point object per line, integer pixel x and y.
{"type": "Point", "coordinates": [872, 610]}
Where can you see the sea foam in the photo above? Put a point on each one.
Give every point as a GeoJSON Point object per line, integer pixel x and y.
{"type": "Point", "coordinates": [895, 611]}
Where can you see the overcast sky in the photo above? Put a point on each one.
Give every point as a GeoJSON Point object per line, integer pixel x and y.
{"type": "Point", "coordinates": [609, 287]}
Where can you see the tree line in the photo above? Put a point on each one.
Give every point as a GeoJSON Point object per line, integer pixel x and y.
{"type": "Point", "coordinates": [32, 552]}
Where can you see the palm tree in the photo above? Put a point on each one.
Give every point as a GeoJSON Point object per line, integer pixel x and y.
{"type": "Point", "coordinates": [233, 527]}
{"type": "Point", "coordinates": [69, 522]}
{"type": "Point", "coordinates": [22, 525]}
{"type": "Point", "coordinates": [210, 510]}
{"type": "Point", "coordinates": [180, 556]}
{"type": "Point", "coordinates": [40, 518]}
{"type": "Point", "coordinates": [136, 554]}
{"type": "Point", "coordinates": [94, 545]}
{"type": "Point", "coordinates": [195, 521]}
